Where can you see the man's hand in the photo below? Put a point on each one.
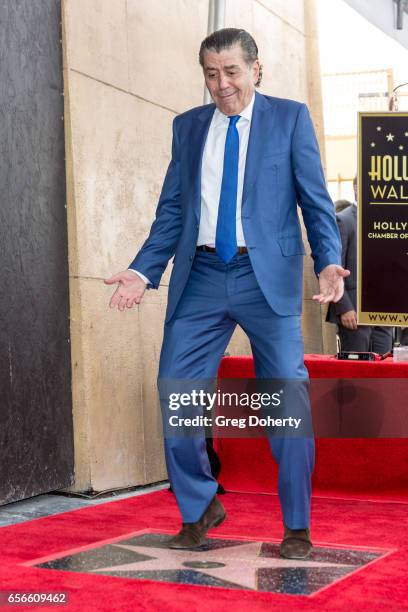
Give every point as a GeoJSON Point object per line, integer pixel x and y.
{"type": "Point", "coordinates": [331, 284]}
{"type": "Point", "coordinates": [129, 291]}
{"type": "Point", "coordinates": [349, 319]}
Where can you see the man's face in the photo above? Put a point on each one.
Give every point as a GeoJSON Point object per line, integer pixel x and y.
{"type": "Point", "coordinates": [230, 81]}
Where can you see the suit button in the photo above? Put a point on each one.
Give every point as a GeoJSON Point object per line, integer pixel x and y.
{"type": "Point", "coordinates": [191, 257]}
{"type": "Point", "coordinates": [197, 226]}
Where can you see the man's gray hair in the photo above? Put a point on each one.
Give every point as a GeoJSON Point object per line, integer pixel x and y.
{"type": "Point", "coordinates": [227, 38]}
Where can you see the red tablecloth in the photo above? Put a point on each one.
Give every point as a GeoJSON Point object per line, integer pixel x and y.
{"type": "Point", "coordinates": [351, 467]}
{"type": "Point", "coordinates": [322, 366]}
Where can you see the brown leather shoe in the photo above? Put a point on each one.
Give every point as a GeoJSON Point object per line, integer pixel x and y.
{"type": "Point", "coordinates": [192, 535]}
{"type": "Point", "coordinates": [296, 544]}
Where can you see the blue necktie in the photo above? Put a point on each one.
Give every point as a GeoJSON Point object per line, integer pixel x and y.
{"type": "Point", "coordinates": [226, 234]}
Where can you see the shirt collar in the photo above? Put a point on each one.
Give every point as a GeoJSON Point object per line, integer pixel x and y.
{"type": "Point", "coordinates": [246, 113]}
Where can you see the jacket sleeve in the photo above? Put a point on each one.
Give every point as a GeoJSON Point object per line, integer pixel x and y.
{"type": "Point", "coordinates": [161, 243]}
{"type": "Point", "coordinates": [312, 195]}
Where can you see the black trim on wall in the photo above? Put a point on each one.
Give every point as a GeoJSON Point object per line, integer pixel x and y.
{"type": "Point", "coordinates": [36, 433]}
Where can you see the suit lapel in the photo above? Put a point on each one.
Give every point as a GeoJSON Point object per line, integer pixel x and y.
{"type": "Point", "coordinates": [198, 137]}
{"type": "Point", "coordinates": [263, 117]}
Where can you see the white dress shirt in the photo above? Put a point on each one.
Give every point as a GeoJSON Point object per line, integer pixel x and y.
{"type": "Point", "coordinates": [211, 174]}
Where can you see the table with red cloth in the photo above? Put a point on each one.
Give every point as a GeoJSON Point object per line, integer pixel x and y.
{"type": "Point", "coordinates": [366, 467]}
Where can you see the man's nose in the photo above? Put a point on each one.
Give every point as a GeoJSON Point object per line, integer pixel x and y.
{"type": "Point", "coordinates": [223, 82]}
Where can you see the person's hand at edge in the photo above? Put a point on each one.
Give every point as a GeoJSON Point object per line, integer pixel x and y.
{"type": "Point", "coordinates": [349, 319]}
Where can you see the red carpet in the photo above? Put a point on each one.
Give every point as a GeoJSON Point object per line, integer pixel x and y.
{"type": "Point", "coordinates": [377, 586]}
{"type": "Point", "coordinates": [374, 470]}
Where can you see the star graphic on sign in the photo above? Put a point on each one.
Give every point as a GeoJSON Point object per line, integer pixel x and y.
{"type": "Point", "coordinates": [373, 144]}
{"type": "Point", "coordinates": [406, 134]}
{"type": "Point", "coordinates": [237, 565]}
{"type": "Point", "coordinates": [379, 128]}
{"type": "Point", "coordinates": [390, 137]}
{"type": "Point", "coordinates": [401, 147]}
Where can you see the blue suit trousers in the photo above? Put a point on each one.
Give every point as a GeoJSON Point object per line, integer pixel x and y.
{"type": "Point", "coordinates": [217, 297]}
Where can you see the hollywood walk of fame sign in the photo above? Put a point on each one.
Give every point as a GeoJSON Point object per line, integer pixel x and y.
{"type": "Point", "coordinates": [382, 206]}
{"type": "Point", "coordinates": [231, 564]}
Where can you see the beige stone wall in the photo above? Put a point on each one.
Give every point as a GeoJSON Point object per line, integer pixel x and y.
{"type": "Point", "coordinates": [129, 67]}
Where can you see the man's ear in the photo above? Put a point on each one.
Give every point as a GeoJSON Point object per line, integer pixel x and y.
{"type": "Point", "coordinates": [256, 70]}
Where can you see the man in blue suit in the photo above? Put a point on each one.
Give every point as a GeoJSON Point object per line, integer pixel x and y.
{"type": "Point", "coordinates": [228, 212]}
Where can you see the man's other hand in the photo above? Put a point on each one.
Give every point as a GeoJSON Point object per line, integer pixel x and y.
{"type": "Point", "coordinates": [130, 290]}
{"type": "Point", "coordinates": [349, 319]}
{"type": "Point", "coordinates": [331, 284]}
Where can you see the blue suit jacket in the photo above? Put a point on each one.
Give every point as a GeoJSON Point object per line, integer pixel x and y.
{"type": "Point", "coordinates": [283, 169]}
